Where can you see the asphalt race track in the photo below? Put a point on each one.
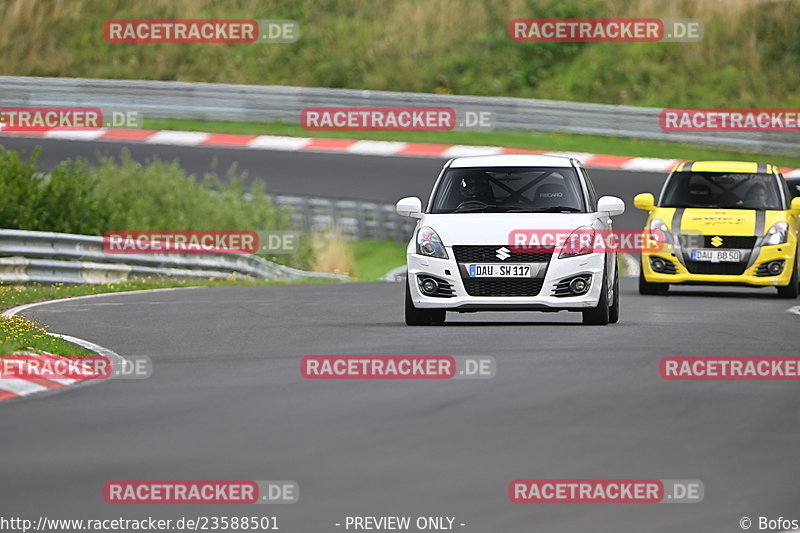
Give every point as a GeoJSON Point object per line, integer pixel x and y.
{"type": "Point", "coordinates": [330, 175]}
{"type": "Point", "coordinates": [227, 400]}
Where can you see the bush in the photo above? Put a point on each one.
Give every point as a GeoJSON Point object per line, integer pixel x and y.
{"type": "Point", "coordinates": [76, 197]}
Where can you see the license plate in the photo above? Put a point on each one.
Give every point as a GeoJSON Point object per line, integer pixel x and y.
{"type": "Point", "coordinates": [717, 256]}
{"type": "Point", "coordinates": [494, 270]}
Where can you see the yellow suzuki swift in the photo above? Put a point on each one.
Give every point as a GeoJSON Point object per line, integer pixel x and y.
{"type": "Point", "coordinates": [722, 223]}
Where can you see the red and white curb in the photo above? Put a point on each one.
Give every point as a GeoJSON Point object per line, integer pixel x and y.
{"type": "Point", "coordinates": [14, 387]}
{"type": "Point", "coordinates": [348, 146]}
{"type": "Point", "coordinates": [17, 388]}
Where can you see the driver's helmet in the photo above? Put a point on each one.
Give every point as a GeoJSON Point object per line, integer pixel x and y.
{"type": "Point", "coordinates": [475, 188]}
{"type": "Point", "coordinates": [757, 193]}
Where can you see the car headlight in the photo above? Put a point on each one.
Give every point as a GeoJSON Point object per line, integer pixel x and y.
{"type": "Point", "coordinates": [659, 231]}
{"type": "Point", "coordinates": [429, 243]}
{"type": "Point", "coordinates": [579, 242]}
{"type": "Point", "coordinates": [777, 234]}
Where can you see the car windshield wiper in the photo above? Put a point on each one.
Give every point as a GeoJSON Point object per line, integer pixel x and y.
{"type": "Point", "coordinates": [473, 209]}
{"type": "Point", "coordinates": [554, 209]}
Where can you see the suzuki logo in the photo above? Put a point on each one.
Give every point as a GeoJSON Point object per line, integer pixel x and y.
{"type": "Point", "coordinates": [716, 241]}
{"type": "Point", "coordinates": [503, 253]}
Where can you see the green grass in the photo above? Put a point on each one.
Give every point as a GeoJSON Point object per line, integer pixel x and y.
{"type": "Point", "coordinates": [374, 259]}
{"type": "Point", "coordinates": [510, 139]}
{"type": "Point", "coordinates": [747, 58]}
{"type": "Point", "coordinates": [19, 333]}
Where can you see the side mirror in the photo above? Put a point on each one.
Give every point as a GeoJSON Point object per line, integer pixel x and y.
{"type": "Point", "coordinates": [644, 201]}
{"type": "Point", "coordinates": [611, 205]}
{"type": "Point", "coordinates": [410, 207]}
{"type": "Point", "coordinates": [794, 207]}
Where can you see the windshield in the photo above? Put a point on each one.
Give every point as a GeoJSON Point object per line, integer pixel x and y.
{"type": "Point", "coordinates": [722, 190]}
{"type": "Point", "coordinates": [509, 190]}
{"type": "Point", "coordinates": [794, 187]}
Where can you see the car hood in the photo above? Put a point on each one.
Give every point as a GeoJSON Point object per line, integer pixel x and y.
{"type": "Point", "coordinates": [738, 222]}
{"type": "Point", "coordinates": [494, 228]}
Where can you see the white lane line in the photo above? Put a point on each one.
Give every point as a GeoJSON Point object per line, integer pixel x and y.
{"type": "Point", "coordinates": [21, 387]}
{"type": "Point", "coordinates": [794, 310]}
{"type": "Point", "coordinates": [116, 359]}
{"type": "Point", "coordinates": [276, 142]}
{"type": "Point", "coordinates": [376, 147]}
{"type": "Point", "coordinates": [185, 138]}
{"type": "Point", "coordinates": [463, 150]}
{"type": "Point", "coordinates": [77, 135]}
{"type": "Point", "coordinates": [20, 308]}
{"type": "Point", "coordinates": [649, 164]}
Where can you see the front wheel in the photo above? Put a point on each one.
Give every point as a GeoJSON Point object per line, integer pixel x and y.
{"type": "Point", "coordinates": [790, 290]}
{"type": "Point", "coordinates": [645, 287]}
{"type": "Point", "coordinates": [421, 317]}
{"type": "Point", "coordinates": [600, 315]}
{"type": "Point", "coordinates": [613, 311]}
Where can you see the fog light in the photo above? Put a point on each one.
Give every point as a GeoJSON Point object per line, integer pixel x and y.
{"type": "Point", "coordinates": [578, 285]}
{"type": "Point", "coordinates": [429, 286]}
{"type": "Point", "coordinates": [658, 264]}
{"type": "Point", "coordinates": [775, 267]}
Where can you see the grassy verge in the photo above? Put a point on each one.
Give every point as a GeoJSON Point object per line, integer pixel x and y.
{"type": "Point", "coordinates": [509, 139]}
{"type": "Point", "coordinates": [371, 260]}
{"type": "Point", "coordinates": [374, 259]}
{"type": "Point", "coordinates": [19, 333]}
{"type": "Point", "coordinates": [14, 295]}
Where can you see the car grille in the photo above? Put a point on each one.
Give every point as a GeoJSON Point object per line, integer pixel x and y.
{"type": "Point", "coordinates": [488, 254]}
{"type": "Point", "coordinates": [742, 242]}
{"type": "Point", "coordinates": [721, 269]}
{"type": "Point", "coordinates": [503, 287]}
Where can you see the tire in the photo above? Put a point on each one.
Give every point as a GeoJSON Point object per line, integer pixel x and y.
{"type": "Point", "coordinates": [613, 311]}
{"type": "Point", "coordinates": [422, 317]}
{"type": "Point", "coordinates": [645, 287]}
{"type": "Point", "coordinates": [790, 291]}
{"type": "Point", "coordinates": [599, 316]}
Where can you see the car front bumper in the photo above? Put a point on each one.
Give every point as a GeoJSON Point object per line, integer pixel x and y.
{"type": "Point", "coordinates": [557, 270]}
{"type": "Point", "coordinates": [765, 255]}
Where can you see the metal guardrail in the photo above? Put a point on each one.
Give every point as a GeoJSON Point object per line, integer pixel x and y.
{"type": "Point", "coordinates": [45, 257]}
{"type": "Point", "coordinates": [353, 219]}
{"type": "Point", "coordinates": [256, 103]}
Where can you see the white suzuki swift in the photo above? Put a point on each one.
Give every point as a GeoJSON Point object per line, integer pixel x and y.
{"type": "Point", "coordinates": [460, 257]}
